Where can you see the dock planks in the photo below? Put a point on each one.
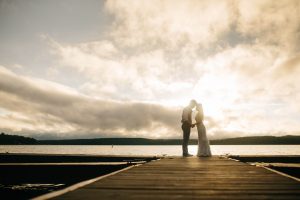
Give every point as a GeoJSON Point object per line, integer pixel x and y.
{"type": "Point", "coordinates": [190, 178]}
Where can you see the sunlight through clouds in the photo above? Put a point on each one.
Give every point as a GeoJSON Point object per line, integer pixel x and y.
{"type": "Point", "coordinates": [240, 59]}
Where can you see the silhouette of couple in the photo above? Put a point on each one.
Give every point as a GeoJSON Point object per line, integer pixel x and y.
{"type": "Point", "coordinates": [187, 124]}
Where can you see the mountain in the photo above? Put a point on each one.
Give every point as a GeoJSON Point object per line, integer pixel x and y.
{"type": "Point", "coordinates": [16, 139]}
{"type": "Point", "coordinates": [263, 140]}
{"type": "Point", "coordinates": [288, 139]}
{"type": "Point", "coordinates": [254, 140]}
{"type": "Point", "coordinates": [114, 141]}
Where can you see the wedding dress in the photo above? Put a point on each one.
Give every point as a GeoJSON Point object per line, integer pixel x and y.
{"type": "Point", "coordinates": [203, 142]}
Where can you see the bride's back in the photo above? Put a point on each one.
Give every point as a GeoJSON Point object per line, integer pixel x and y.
{"type": "Point", "coordinates": [199, 115]}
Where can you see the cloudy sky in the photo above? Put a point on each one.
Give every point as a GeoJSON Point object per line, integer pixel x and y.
{"type": "Point", "coordinates": [84, 69]}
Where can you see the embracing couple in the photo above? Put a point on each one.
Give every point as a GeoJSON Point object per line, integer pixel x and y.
{"type": "Point", "coordinates": [187, 124]}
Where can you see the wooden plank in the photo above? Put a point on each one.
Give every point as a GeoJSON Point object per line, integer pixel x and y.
{"type": "Point", "coordinates": [175, 194]}
{"type": "Point", "coordinates": [190, 178]}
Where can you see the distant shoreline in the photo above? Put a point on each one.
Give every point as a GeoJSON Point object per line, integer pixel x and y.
{"type": "Point", "coordinates": [6, 139]}
{"type": "Point", "coordinates": [137, 144]}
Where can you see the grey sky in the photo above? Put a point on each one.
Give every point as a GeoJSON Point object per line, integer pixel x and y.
{"type": "Point", "coordinates": [24, 22]}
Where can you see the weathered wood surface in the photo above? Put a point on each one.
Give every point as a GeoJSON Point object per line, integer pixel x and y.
{"type": "Point", "coordinates": [190, 178]}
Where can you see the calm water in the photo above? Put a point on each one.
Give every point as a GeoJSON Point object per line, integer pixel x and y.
{"type": "Point", "coordinates": [172, 150]}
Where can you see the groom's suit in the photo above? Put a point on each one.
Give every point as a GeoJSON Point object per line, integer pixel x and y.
{"type": "Point", "coordinates": [186, 128]}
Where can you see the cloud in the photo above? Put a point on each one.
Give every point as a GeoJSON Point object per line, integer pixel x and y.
{"type": "Point", "coordinates": [44, 106]}
{"type": "Point", "coordinates": [271, 22]}
{"type": "Point", "coordinates": [144, 76]}
{"type": "Point", "coordinates": [239, 58]}
{"type": "Point", "coordinates": [168, 23]}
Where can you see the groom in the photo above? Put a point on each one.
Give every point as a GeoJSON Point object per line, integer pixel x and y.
{"type": "Point", "coordinates": [186, 126]}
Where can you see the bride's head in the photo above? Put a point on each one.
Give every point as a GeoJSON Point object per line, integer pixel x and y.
{"type": "Point", "coordinates": [198, 106]}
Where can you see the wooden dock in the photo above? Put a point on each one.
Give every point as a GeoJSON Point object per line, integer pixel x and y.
{"type": "Point", "coordinates": [190, 178]}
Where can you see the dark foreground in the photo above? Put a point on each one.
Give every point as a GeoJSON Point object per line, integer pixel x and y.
{"type": "Point", "coordinates": [24, 176]}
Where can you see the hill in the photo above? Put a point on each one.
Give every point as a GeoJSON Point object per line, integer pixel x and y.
{"type": "Point", "coordinates": [264, 140]}
{"type": "Point", "coordinates": [16, 139]}
{"type": "Point", "coordinates": [255, 140]}
{"type": "Point", "coordinates": [114, 141]}
{"type": "Point", "coordinates": [258, 140]}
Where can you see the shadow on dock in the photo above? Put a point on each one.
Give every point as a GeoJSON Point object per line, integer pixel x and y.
{"type": "Point", "coordinates": [30, 175]}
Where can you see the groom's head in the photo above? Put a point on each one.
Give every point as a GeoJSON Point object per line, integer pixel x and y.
{"type": "Point", "coordinates": [193, 103]}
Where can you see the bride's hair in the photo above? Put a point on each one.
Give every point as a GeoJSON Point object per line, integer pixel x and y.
{"type": "Point", "coordinates": [198, 106]}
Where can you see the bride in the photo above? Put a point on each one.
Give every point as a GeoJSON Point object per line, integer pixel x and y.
{"type": "Point", "coordinates": [203, 142]}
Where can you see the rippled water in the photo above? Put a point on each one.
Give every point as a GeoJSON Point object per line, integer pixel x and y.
{"type": "Point", "coordinates": [171, 150]}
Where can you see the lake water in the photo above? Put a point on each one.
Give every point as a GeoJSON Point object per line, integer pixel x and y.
{"type": "Point", "coordinates": [155, 150]}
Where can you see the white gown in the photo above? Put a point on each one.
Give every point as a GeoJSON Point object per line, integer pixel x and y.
{"type": "Point", "coordinates": [203, 142]}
